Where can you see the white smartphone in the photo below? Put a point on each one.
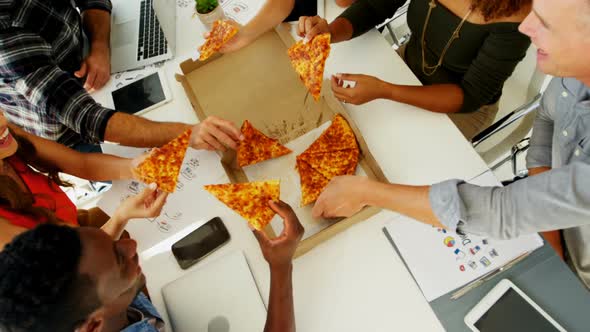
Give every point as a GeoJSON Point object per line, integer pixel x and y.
{"type": "Point", "coordinates": [506, 308]}
{"type": "Point", "coordinates": [142, 94]}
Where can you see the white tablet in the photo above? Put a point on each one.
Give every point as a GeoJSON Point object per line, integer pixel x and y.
{"type": "Point", "coordinates": [142, 94]}
{"type": "Point", "coordinates": [506, 308]}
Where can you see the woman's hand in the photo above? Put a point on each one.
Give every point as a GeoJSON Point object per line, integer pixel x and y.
{"type": "Point", "coordinates": [365, 89]}
{"type": "Point", "coordinates": [146, 204]}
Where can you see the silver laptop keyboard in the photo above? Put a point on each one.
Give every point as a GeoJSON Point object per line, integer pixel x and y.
{"type": "Point", "coordinates": [152, 41]}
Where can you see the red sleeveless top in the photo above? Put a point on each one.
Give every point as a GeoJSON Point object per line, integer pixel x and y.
{"type": "Point", "coordinates": [46, 194]}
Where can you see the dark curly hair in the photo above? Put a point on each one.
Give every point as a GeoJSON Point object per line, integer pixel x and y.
{"type": "Point", "coordinates": [499, 8]}
{"type": "Point", "coordinates": [40, 286]}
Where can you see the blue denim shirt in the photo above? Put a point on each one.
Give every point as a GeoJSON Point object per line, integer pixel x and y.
{"type": "Point", "coordinates": [143, 305]}
{"type": "Point", "coordinates": [557, 199]}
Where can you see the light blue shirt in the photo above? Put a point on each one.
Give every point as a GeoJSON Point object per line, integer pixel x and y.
{"type": "Point", "coordinates": [149, 320]}
{"type": "Point", "coordinates": [557, 199]}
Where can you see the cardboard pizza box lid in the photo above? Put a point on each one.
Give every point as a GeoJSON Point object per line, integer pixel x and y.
{"type": "Point", "coordinates": [257, 83]}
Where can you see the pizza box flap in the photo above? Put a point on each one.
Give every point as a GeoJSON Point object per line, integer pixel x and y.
{"type": "Point", "coordinates": [257, 83]}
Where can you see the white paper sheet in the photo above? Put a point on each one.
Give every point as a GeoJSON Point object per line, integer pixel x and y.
{"type": "Point", "coordinates": [283, 168]}
{"type": "Point", "coordinates": [241, 11]}
{"type": "Point", "coordinates": [442, 261]}
{"type": "Point", "coordinates": [189, 203]}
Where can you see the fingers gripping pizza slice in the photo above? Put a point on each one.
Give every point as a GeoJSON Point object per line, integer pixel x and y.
{"type": "Point", "coordinates": [220, 34]}
{"type": "Point", "coordinates": [163, 164]}
{"type": "Point", "coordinates": [257, 147]}
{"type": "Point", "coordinates": [334, 153]}
{"type": "Point", "coordinates": [309, 60]}
{"type": "Point", "coordinates": [250, 200]}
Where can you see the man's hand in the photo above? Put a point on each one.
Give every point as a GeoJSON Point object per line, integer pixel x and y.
{"type": "Point", "coordinates": [310, 27]}
{"type": "Point", "coordinates": [367, 88]}
{"type": "Point", "coordinates": [96, 67]}
{"type": "Point", "coordinates": [342, 197]}
{"type": "Point", "coordinates": [279, 251]}
{"type": "Point", "coordinates": [146, 204]}
{"type": "Point", "coordinates": [214, 133]}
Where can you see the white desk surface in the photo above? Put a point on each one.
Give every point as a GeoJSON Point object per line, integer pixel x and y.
{"type": "Point", "coordinates": [355, 281]}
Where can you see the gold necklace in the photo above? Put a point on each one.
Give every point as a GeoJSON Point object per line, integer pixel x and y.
{"type": "Point", "coordinates": [426, 68]}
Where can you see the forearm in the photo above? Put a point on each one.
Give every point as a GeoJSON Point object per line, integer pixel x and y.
{"type": "Point", "coordinates": [281, 314]}
{"type": "Point", "coordinates": [340, 30]}
{"type": "Point", "coordinates": [97, 24]}
{"type": "Point", "coordinates": [439, 98]}
{"type": "Point", "coordinates": [135, 131]}
{"type": "Point", "coordinates": [412, 201]}
{"type": "Point", "coordinates": [549, 201]}
{"type": "Point", "coordinates": [102, 167]}
{"type": "Point", "coordinates": [270, 15]}
{"type": "Point", "coordinates": [115, 226]}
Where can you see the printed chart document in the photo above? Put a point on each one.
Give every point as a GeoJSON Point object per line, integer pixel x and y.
{"type": "Point", "coordinates": [442, 261]}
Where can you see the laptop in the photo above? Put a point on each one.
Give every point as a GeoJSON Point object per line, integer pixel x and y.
{"type": "Point", "coordinates": [219, 296]}
{"type": "Point", "coordinates": [142, 32]}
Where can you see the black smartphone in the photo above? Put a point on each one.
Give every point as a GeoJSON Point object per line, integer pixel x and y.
{"type": "Point", "coordinates": [200, 243]}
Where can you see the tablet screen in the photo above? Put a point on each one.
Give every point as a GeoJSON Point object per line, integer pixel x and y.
{"type": "Point", "coordinates": [513, 313]}
{"type": "Point", "coordinates": [139, 95]}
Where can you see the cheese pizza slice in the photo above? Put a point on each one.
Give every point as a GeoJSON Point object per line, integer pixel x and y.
{"type": "Point", "coordinates": [163, 164]}
{"type": "Point", "coordinates": [257, 147]}
{"type": "Point", "coordinates": [309, 60]}
{"type": "Point", "coordinates": [312, 182]}
{"type": "Point", "coordinates": [335, 163]}
{"type": "Point", "coordinates": [250, 200]}
{"type": "Point", "coordinates": [338, 136]}
{"type": "Point", "coordinates": [221, 33]}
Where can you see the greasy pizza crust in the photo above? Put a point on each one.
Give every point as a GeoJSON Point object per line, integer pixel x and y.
{"type": "Point", "coordinates": [221, 33]}
{"type": "Point", "coordinates": [257, 147]}
{"type": "Point", "coordinates": [250, 200]}
{"type": "Point", "coordinates": [309, 60]}
{"type": "Point", "coordinates": [163, 164]}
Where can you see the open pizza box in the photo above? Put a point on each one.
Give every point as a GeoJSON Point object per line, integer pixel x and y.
{"type": "Point", "coordinates": [257, 83]}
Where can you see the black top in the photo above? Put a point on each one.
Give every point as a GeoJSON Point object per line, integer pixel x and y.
{"type": "Point", "coordinates": [480, 61]}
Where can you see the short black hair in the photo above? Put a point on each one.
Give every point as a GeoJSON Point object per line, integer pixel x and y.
{"type": "Point", "coordinates": [41, 288]}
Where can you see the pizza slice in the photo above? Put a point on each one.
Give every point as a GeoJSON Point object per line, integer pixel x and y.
{"type": "Point", "coordinates": [338, 136]}
{"type": "Point", "coordinates": [309, 59]}
{"type": "Point", "coordinates": [163, 164]}
{"type": "Point", "coordinates": [257, 147]}
{"type": "Point", "coordinates": [250, 200]}
{"type": "Point", "coordinates": [331, 164]}
{"type": "Point", "coordinates": [312, 182]}
{"type": "Point", "coordinates": [221, 33]}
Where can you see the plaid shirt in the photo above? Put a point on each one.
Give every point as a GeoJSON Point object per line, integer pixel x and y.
{"type": "Point", "coordinates": [41, 46]}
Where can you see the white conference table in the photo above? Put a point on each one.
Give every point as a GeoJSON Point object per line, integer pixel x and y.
{"type": "Point", "coordinates": [355, 281]}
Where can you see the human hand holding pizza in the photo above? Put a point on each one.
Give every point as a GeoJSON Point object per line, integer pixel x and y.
{"type": "Point", "coordinates": [311, 26]}
{"type": "Point", "coordinates": [366, 88]}
{"type": "Point", "coordinates": [279, 251]}
{"type": "Point", "coordinates": [146, 204]}
{"type": "Point", "coordinates": [343, 197]}
{"type": "Point", "coordinates": [214, 133]}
